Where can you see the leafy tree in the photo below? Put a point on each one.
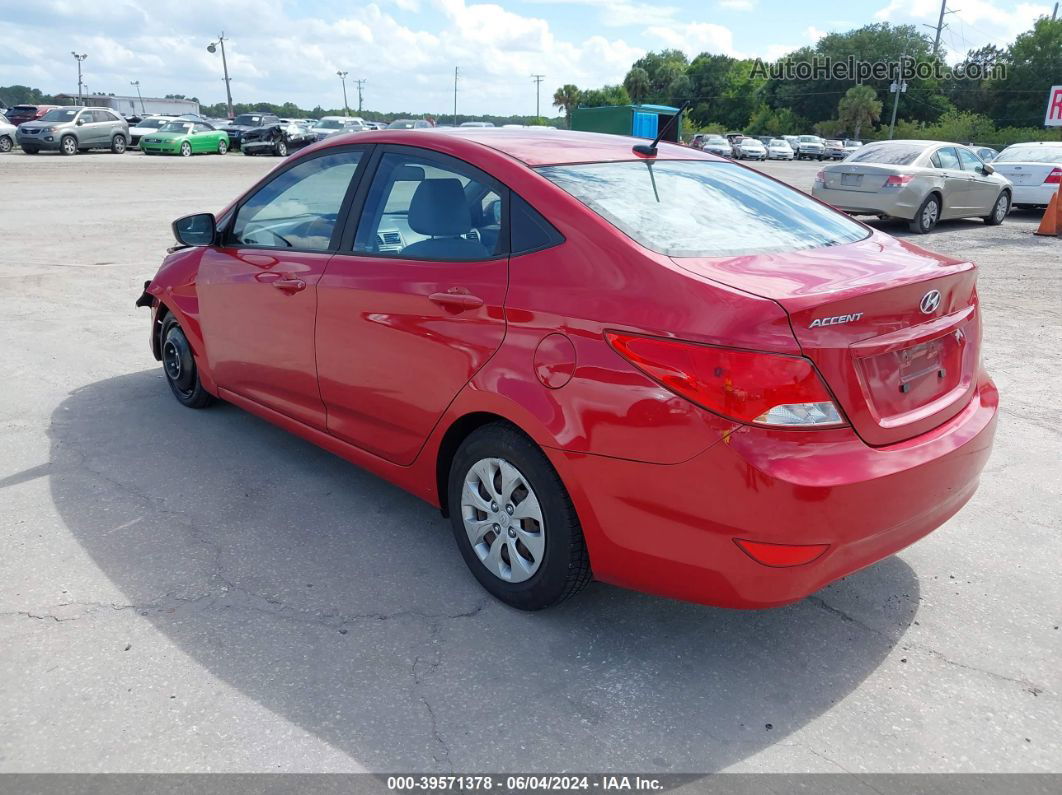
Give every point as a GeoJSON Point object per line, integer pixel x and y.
{"type": "Point", "coordinates": [606, 95]}
{"type": "Point", "coordinates": [637, 84]}
{"type": "Point", "coordinates": [860, 105]}
{"type": "Point", "coordinates": [1035, 64]}
{"type": "Point", "coordinates": [567, 97]}
{"type": "Point", "coordinates": [661, 68]}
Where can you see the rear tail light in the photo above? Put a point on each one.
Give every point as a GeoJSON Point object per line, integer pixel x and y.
{"type": "Point", "coordinates": [1055, 177]}
{"type": "Point", "coordinates": [768, 389]}
{"type": "Point", "coordinates": [781, 554]}
{"type": "Point", "coordinates": [898, 180]}
{"type": "Point", "coordinates": [821, 177]}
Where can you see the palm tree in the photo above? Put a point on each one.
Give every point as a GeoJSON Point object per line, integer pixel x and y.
{"type": "Point", "coordinates": [860, 105]}
{"type": "Point", "coordinates": [567, 97]}
{"type": "Point", "coordinates": [637, 84]}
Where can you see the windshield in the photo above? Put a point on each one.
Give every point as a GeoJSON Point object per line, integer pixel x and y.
{"type": "Point", "coordinates": [1030, 154]}
{"type": "Point", "coordinates": [401, 125]}
{"type": "Point", "coordinates": [808, 139]}
{"type": "Point", "coordinates": [176, 127]}
{"type": "Point", "coordinates": [892, 154]}
{"type": "Point", "coordinates": [247, 119]}
{"type": "Point", "coordinates": [330, 124]}
{"type": "Point", "coordinates": [701, 208]}
{"type": "Point", "coordinates": [60, 114]}
{"type": "Point", "coordinates": [154, 124]}
{"type": "Point", "coordinates": [715, 139]}
{"type": "Point", "coordinates": [777, 142]}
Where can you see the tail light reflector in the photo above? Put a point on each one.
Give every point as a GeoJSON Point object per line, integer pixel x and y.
{"type": "Point", "coordinates": [897, 180]}
{"type": "Point", "coordinates": [781, 554]}
{"type": "Point", "coordinates": [769, 389]}
{"type": "Point", "coordinates": [1054, 177]}
{"type": "Point", "coordinates": [821, 177]}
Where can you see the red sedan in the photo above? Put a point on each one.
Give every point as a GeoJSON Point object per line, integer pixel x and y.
{"type": "Point", "coordinates": [665, 371]}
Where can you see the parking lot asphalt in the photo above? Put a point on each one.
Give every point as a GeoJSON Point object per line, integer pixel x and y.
{"type": "Point", "coordinates": [200, 591]}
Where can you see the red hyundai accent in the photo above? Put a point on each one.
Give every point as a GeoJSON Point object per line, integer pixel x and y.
{"type": "Point", "coordinates": [668, 372]}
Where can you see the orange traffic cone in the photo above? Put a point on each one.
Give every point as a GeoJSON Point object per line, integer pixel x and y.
{"type": "Point", "coordinates": [1051, 225]}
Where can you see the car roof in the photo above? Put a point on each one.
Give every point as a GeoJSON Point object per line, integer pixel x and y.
{"type": "Point", "coordinates": [534, 147]}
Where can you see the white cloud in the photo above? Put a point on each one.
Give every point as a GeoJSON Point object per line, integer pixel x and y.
{"type": "Point", "coordinates": [739, 5]}
{"type": "Point", "coordinates": [276, 56]}
{"type": "Point", "coordinates": [814, 34]}
{"type": "Point", "coordinates": [696, 38]}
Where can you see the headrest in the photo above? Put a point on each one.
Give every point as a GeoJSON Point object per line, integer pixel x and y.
{"type": "Point", "coordinates": [439, 208]}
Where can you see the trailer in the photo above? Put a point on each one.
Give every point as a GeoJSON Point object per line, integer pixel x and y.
{"type": "Point", "coordinates": [640, 121]}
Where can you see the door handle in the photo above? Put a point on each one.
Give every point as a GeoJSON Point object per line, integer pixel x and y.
{"type": "Point", "coordinates": [266, 278]}
{"type": "Point", "coordinates": [290, 285]}
{"type": "Point", "coordinates": [458, 301]}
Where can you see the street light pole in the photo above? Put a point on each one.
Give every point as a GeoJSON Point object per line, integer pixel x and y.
{"type": "Point", "coordinates": [343, 76]}
{"type": "Point", "coordinates": [213, 47]}
{"type": "Point", "coordinates": [138, 94]}
{"type": "Point", "coordinates": [538, 86]}
{"type": "Point", "coordinates": [456, 75]}
{"type": "Point", "coordinates": [361, 83]}
{"type": "Point", "coordinates": [79, 59]}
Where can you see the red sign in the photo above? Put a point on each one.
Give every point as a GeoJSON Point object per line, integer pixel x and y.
{"type": "Point", "coordinates": [1054, 108]}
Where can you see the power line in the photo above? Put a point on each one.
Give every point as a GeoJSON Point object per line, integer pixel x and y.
{"type": "Point", "coordinates": [538, 85]}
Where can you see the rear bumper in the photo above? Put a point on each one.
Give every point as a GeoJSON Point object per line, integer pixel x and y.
{"type": "Point", "coordinates": [903, 203]}
{"type": "Point", "coordinates": [670, 530]}
{"type": "Point", "coordinates": [1033, 194]}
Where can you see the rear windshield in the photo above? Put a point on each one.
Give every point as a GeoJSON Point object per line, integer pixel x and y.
{"type": "Point", "coordinates": [892, 154]}
{"type": "Point", "coordinates": [701, 208]}
{"type": "Point", "coordinates": [60, 114]}
{"type": "Point", "coordinates": [1030, 154]}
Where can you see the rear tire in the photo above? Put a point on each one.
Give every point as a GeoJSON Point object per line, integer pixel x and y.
{"type": "Point", "coordinates": [927, 216]}
{"type": "Point", "coordinates": [513, 521]}
{"type": "Point", "coordinates": [118, 144]}
{"type": "Point", "coordinates": [6, 144]}
{"type": "Point", "coordinates": [179, 365]}
{"type": "Point", "coordinates": [999, 210]}
{"type": "Point", "coordinates": [223, 147]}
{"type": "Point", "coordinates": [282, 149]}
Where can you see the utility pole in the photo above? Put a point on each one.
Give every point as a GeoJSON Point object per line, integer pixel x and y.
{"type": "Point", "coordinates": [457, 74]}
{"type": "Point", "coordinates": [1054, 13]}
{"type": "Point", "coordinates": [79, 59]}
{"type": "Point", "coordinates": [899, 85]}
{"type": "Point", "coordinates": [940, 25]}
{"type": "Point", "coordinates": [343, 76]}
{"type": "Point", "coordinates": [213, 47]}
{"type": "Point", "coordinates": [360, 83]}
{"type": "Point", "coordinates": [139, 96]}
{"type": "Point", "coordinates": [538, 86]}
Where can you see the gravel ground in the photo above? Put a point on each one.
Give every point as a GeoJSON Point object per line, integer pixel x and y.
{"type": "Point", "coordinates": [199, 591]}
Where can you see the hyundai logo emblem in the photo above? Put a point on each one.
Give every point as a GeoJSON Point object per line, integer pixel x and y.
{"type": "Point", "coordinates": [930, 302]}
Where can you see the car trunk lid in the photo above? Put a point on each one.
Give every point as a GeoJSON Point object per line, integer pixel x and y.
{"type": "Point", "coordinates": [1025, 174]}
{"type": "Point", "coordinates": [859, 312]}
{"type": "Point", "coordinates": [859, 177]}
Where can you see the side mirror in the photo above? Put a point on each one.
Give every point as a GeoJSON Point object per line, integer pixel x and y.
{"type": "Point", "coordinates": [987, 169]}
{"type": "Point", "coordinates": [195, 230]}
{"type": "Point", "coordinates": [79, 122]}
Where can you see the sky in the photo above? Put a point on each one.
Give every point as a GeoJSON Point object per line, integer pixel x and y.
{"type": "Point", "coordinates": [406, 50]}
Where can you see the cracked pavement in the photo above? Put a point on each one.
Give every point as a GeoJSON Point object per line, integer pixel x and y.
{"type": "Point", "coordinates": [199, 591]}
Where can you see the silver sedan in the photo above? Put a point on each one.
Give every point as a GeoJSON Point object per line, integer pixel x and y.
{"type": "Point", "coordinates": [920, 181]}
{"type": "Point", "coordinates": [7, 135]}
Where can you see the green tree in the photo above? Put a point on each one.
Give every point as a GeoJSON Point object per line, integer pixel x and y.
{"type": "Point", "coordinates": [859, 105]}
{"type": "Point", "coordinates": [1034, 65]}
{"type": "Point", "coordinates": [637, 84]}
{"type": "Point", "coordinates": [606, 95]}
{"type": "Point", "coordinates": [567, 97]}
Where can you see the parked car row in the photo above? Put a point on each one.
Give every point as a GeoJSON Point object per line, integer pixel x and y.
{"type": "Point", "coordinates": [924, 182]}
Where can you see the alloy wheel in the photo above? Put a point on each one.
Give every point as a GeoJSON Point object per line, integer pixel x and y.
{"type": "Point", "coordinates": [186, 149]}
{"type": "Point", "coordinates": [1001, 207]}
{"type": "Point", "coordinates": [5, 144]}
{"type": "Point", "coordinates": [69, 145]}
{"type": "Point", "coordinates": [503, 520]}
{"type": "Point", "coordinates": [929, 215]}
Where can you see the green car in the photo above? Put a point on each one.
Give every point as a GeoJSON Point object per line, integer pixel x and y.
{"type": "Point", "coordinates": [185, 138]}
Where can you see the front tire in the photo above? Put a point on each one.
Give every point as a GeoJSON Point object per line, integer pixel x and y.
{"type": "Point", "coordinates": [6, 144]}
{"type": "Point", "coordinates": [927, 216]}
{"type": "Point", "coordinates": [186, 149]}
{"type": "Point", "coordinates": [999, 210]}
{"type": "Point", "coordinates": [68, 145]}
{"type": "Point", "coordinates": [179, 365]}
{"type": "Point", "coordinates": [513, 521]}
{"type": "Point", "coordinates": [118, 144]}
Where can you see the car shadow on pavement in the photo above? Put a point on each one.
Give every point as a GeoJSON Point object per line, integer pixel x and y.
{"type": "Point", "coordinates": [341, 604]}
